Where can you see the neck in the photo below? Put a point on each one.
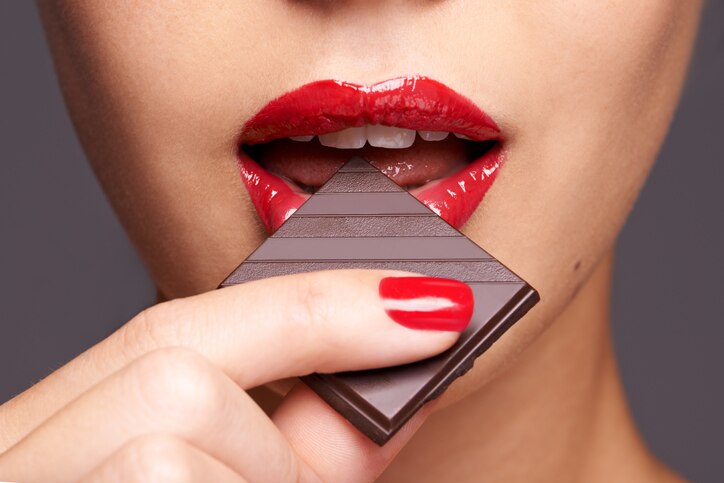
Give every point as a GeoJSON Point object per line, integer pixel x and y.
{"type": "Point", "coordinates": [557, 414]}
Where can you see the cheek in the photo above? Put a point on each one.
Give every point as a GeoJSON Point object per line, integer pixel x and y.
{"type": "Point", "coordinates": [593, 123]}
{"type": "Point", "coordinates": [159, 95]}
{"type": "Point", "coordinates": [590, 88]}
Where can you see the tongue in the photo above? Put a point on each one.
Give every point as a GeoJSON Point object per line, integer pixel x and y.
{"type": "Point", "coordinates": [311, 164]}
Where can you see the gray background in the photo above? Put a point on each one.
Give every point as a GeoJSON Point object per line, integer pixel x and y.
{"type": "Point", "coordinates": [60, 240]}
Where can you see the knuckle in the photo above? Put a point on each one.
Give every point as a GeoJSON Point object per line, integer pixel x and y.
{"type": "Point", "coordinates": [293, 471]}
{"type": "Point", "coordinates": [158, 326]}
{"type": "Point", "coordinates": [156, 457]}
{"type": "Point", "coordinates": [313, 316]}
{"type": "Point", "coordinates": [315, 308]}
{"type": "Point", "coordinates": [178, 386]}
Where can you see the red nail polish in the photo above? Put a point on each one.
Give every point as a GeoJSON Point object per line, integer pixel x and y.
{"type": "Point", "coordinates": [427, 302]}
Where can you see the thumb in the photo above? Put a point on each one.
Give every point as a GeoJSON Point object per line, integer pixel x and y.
{"type": "Point", "coordinates": [328, 447]}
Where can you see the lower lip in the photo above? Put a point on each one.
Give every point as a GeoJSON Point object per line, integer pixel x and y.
{"type": "Point", "coordinates": [454, 198]}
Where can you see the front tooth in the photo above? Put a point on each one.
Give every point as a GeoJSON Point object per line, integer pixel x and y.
{"type": "Point", "coordinates": [462, 136]}
{"type": "Point", "coordinates": [350, 138]}
{"type": "Point", "coordinates": [302, 138]}
{"type": "Point", "coordinates": [433, 135]}
{"type": "Point", "coordinates": [390, 137]}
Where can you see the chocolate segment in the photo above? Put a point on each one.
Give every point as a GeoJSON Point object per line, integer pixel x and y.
{"type": "Point", "coordinates": [351, 204]}
{"type": "Point", "coordinates": [368, 248]}
{"type": "Point", "coordinates": [365, 226]}
{"type": "Point", "coordinates": [463, 271]}
{"type": "Point", "coordinates": [361, 219]}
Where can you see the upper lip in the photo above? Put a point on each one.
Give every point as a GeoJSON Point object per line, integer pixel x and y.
{"type": "Point", "coordinates": [450, 177]}
{"type": "Point", "coordinates": [413, 102]}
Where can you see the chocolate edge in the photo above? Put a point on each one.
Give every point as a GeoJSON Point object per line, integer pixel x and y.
{"type": "Point", "coordinates": [378, 428]}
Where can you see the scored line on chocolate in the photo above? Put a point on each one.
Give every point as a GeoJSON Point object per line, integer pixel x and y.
{"type": "Point", "coordinates": [483, 271]}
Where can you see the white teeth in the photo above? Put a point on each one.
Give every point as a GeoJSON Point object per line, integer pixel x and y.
{"type": "Point", "coordinates": [377, 135]}
{"type": "Point", "coordinates": [390, 137]}
{"type": "Point", "coordinates": [302, 138]}
{"type": "Point", "coordinates": [350, 138]}
{"type": "Point", "coordinates": [433, 135]}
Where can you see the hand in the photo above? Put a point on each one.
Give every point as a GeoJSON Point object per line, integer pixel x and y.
{"type": "Point", "coordinates": [163, 398]}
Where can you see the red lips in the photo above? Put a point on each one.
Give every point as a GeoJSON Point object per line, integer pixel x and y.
{"type": "Point", "coordinates": [327, 106]}
{"type": "Point", "coordinates": [409, 102]}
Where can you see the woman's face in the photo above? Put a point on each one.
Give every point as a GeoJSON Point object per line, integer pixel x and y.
{"type": "Point", "coordinates": [582, 92]}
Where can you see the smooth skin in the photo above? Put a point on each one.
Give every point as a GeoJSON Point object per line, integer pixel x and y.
{"type": "Point", "coordinates": [584, 92]}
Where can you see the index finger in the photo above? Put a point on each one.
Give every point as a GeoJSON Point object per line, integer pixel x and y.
{"type": "Point", "coordinates": [271, 329]}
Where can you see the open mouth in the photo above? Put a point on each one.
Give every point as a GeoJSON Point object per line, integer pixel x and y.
{"type": "Point", "coordinates": [427, 138]}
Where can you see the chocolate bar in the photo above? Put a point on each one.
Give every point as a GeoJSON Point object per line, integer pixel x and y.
{"type": "Point", "coordinates": [362, 219]}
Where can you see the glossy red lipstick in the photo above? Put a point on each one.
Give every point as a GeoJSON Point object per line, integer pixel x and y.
{"type": "Point", "coordinates": [329, 106]}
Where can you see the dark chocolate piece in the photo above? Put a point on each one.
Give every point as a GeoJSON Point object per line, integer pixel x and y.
{"type": "Point", "coordinates": [362, 219]}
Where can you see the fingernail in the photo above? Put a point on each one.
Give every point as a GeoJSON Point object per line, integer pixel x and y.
{"type": "Point", "coordinates": [427, 302]}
